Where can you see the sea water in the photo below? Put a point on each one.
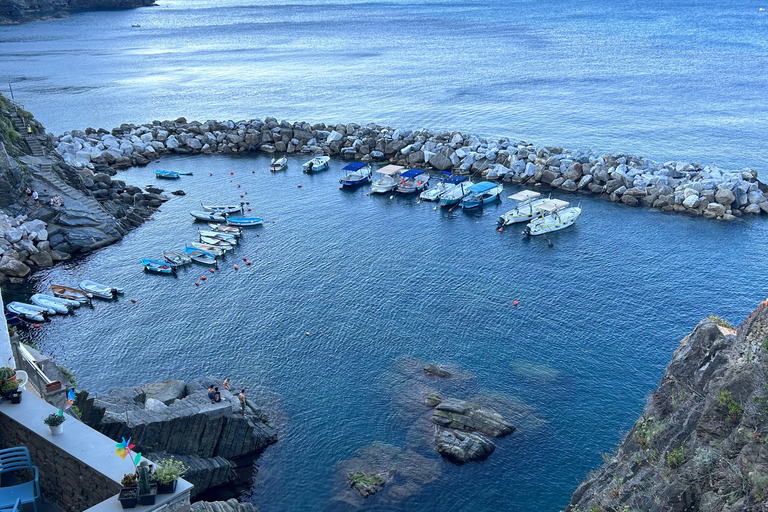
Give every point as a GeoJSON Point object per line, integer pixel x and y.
{"type": "Point", "coordinates": [381, 284]}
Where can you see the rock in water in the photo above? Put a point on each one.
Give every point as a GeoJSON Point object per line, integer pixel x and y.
{"type": "Point", "coordinates": [222, 506]}
{"type": "Point", "coordinates": [461, 447]}
{"type": "Point", "coordinates": [436, 371]}
{"type": "Point", "coordinates": [368, 484]}
{"type": "Point", "coordinates": [459, 414]}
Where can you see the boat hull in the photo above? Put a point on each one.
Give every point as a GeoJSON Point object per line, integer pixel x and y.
{"type": "Point", "coordinates": [199, 256]}
{"type": "Point", "coordinates": [67, 292]}
{"type": "Point", "coordinates": [158, 267]}
{"type": "Point", "coordinates": [554, 222]}
{"type": "Point", "coordinates": [43, 302]}
{"type": "Point", "coordinates": [208, 216]}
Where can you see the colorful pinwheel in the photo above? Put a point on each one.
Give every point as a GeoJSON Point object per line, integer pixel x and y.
{"type": "Point", "coordinates": [124, 448]}
{"type": "Point", "coordinates": [70, 399]}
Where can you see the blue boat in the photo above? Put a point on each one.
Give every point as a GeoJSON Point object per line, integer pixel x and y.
{"type": "Point", "coordinates": [200, 256]}
{"type": "Point", "coordinates": [160, 267]}
{"type": "Point", "coordinates": [357, 173]}
{"type": "Point", "coordinates": [447, 182]}
{"type": "Point", "coordinates": [481, 194]}
{"type": "Point", "coordinates": [244, 221]}
{"type": "Point", "coordinates": [167, 175]}
{"type": "Point", "coordinates": [413, 180]}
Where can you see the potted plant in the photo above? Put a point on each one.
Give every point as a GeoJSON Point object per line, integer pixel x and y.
{"type": "Point", "coordinates": [147, 490]}
{"type": "Point", "coordinates": [10, 390]}
{"type": "Point", "coordinates": [7, 373]}
{"type": "Point", "coordinates": [129, 493]}
{"type": "Point", "coordinates": [54, 421]}
{"type": "Point", "coordinates": [167, 473]}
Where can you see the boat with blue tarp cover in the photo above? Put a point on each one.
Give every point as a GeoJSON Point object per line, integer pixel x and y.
{"type": "Point", "coordinates": [455, 194]}
{"type": "Point", "coordinates": [446, 182]}
{"type": "Point", "coordinates": [481, 194]}
{"type": "Point", "coordinates": [356, 173]}
{"type": "Point", "coordinates": [159, 267]}
{"type": "Point", "coordinates": [167, 175]}
{"type": "Point", "coordinates": [413, 180]}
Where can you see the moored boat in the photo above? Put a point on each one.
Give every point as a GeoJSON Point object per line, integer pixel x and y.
{"type": "Point", "coordinates": [528, 202]}
{"type": "Point", "coordinates": [480, 194]}
{"type": "Point", "coordinates": [221, 236]}
{"type": "Point", "coordinates": [554, 215]}
{"type": "Point", "coordinates": [278, 164]}
{"type": "Point", "coordinates": [454, 195]}
{"type": "Point", "coordinates": [66, 302]}
{"type": "Point", "coordinates": [223, 209]}
{"type": "Point", "coordinates": [244, 221]}
{"type": "Point", "coordinates": [175, 259]}
{"type": "Point", "coordinates": [26, 311]}
{"type": "Point", "coordinates": [167, 175]}
{"type": "Point", "coordinates": [200, 256]}
{"type": "Point", "coordinates": [413, 180]}
{"type": "Point", "coordinates": [67, 292]}
{"type": "Point", "coordinates": [445, 182]}
{"type": "Point", "coordinates": [212, 249]}
{"type": "Point", "coordinates": [159, 267]}
{"type": "Point", "coordinates": [217, 242]}
{"type": "Point", "coordinates": [99, 290]}
{"type": "Point", "coordinates": [209, 216]}
{"type": "Point", "coordinates": [387, 179]}
{"type": "Point", "coordinates": [222, 228]}
{"type": "Point", "coordinates": [48, 302]}
{"type": "Point", "coordinates": [356, 174]}
{"type": "Point", "coordinates": [317, 164]}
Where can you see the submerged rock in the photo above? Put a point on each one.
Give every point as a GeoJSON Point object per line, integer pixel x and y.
{"type": "Point", "coordinates": [368, 484]}
{"type": "Point", "coordinates": [461, 447]}
{"type": "Point", "coordinates": [459, 414]}
{"type": "Point", "coordinates": [436, 371]}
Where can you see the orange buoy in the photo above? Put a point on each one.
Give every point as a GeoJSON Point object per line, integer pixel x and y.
{"type": "Point", "coordinates": [197, 284]}
{"type": "Point", "coordinates": [249, 209]}
{"type": "Point", "coordinates": [247, 262]}
{"type": "Point", "coordinates": [299, 186]}
{"type": "Point", "coordinates": [210, 174]}
{"type": "Point", "coordinates": [515, 303]}
{"type": "Point", "coordinates": [203, 278]}
{"type": "Point", "coordinates": [236, 267]}
{"type": "Point", "coordinates": [212, 271]}
{"type": "Point", "coordinates": [231, 172]}
{"type": "Point", "coordinates": [241, 195]}
{"type": "Point", "coordinates": [501, 229]}
{"type": "Point", "coordinates": [238, 185]}
{"type": "Point", "coordinates": [253, 172]}
{"type": "Point", "coordinates": [367, 193]}
{"type": "Point", "coordinates": [245, 259]}
{"type": "Point", "coordinates": [247, 202]}
{"type": "Point", "coordinates": [37, 325]}
{"type": "Point", "coordinates": [133, 300]}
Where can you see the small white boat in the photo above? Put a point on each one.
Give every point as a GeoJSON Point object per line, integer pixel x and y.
{"type": "Point", "coordinates": [554, 215]}
{"type": "Point", "coordinates": [210, 249]}
{"type": "Point", "coordinates": [278, 164]}
{"type": "Point", "coordinates": [209, 216]}
{"type": "Point", "coordinates": [48, 302]}
{"type": "Point", "coordinates": [387, 179]}
{"type": "Point", "coordinates": [413, 180]}
{"type": "Point", "coordinates": [67, 292]}
{"type": "Point", "coordinates": [61, 300]}
{"type": "Point", "coordinates": [355, 174]}
{"type": "Point", "coordinates": [317, 164]}
{"type": "Point", "coordinates": [446, 182]}
{"type": "Point", "coordinates": [27, 311]}
{"type": "Point", "coordinates": [175, 259]}
{"type": "Point", "coordinates": [455, 194]}
{"type": "Point", "coordinates": [481, 194]}
{"type": "Point", "coordinates": [100, 290]}
{"type": "Point", "coordinates": [527, 207]}
{"type": "Point", "coordinates": [217, 242]}
{"type": "Point", "coordinates": [200, 256]}
{"type": "Point", "coordinates": [223, 209]}
{"type": "Point", "coordinates": [227, 237]}
{"type": "Point", "coordinates": [221, 228]}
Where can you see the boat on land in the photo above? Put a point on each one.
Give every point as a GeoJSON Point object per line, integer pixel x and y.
{"type": "Point", "coordinates": [443, 184]}
{"type": "Point", "coordinates": [160, 267]}
{"type": "Point", "coordinates": [200, 256]}
{"type": "Point", "coordinates": [99, 290]}
{"type": "Point", "coordinates": [209, 216]}
{"type": "Point", "coordinates": [26, 311]}
{"type": "Point", "coordinates": [175, 259]}
{"type": "Point", "coordinates": [453, 196]}
{"type": "Point", "coordinates": [480, 194]}
{"type": "Point", "coordinates": [244, 221]}
{"type": "Point", "coordinates": [67, 292]}
{"type": "Point", "coordinates": [222, 228]}
{"type": "Point", "coordinates": [228, 237]}
{"type": "Point", "coordinates": [167, 175]}
{"type": "Point", "coordinates": [217, 242]}
{"type": "Point", "coordinates": [356, 174]}
{"type": "Point", "coordinates": [223, 209]}
{"type": "Point", "coordinates": [48, 302]}
{"type": "Point", "coordinates": [317, 164]}
{"type": "Point", "coordinates": [554, 215]}
{"type": "Point", "coordinates": [65, 302]}
{"type": "Point", "coordinates": [278, 164]}
{"type": "Point", "coordinates": [387, 179]}
{"type": "Point", "coordinates": [528, 202]}
{"type": "Point", "coordinates": [413, 180]}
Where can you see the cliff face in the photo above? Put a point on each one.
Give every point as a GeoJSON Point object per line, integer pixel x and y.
{"type": "Point", "coordinates": [17, 11]}
{"type": "Point", "coordinates": [700, 443]}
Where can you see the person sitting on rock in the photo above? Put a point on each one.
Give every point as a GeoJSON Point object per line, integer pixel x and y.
{"type": "Point", "coordinates": [211, 391]}
{"type": "Point", "coordinates": [226, 384]}
{"type": "Point", "coordinates": [216, 395]}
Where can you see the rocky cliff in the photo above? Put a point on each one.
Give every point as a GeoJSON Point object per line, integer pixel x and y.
{"type": "Point", "coordinates": [18, 11]}
{"type": "Point", "coordinates": [700, 443]}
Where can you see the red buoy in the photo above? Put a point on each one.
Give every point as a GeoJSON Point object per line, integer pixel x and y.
{"type": "Point", "coordinates": [203, 278]}
{"type": "Point", "coordinates": [253, 172]}
{"type": "Point", "coordinates": [236, 267]}
{"type": "Point", "coordinates": [515, 303]}
{"type": "Point", "coordinates": [249, 209]}
{"type": "Point", "coordinates": [37, 325]}
{"type": "Point", "coordinates": [231, 172]}
{"type": "Point", "coordinates": [299, 186]}
{"type": "Point", "coordinates": [133, 300]}
{"type": "Point", "coordinates": [247, 202]}
{"type": "Point", "coordinates": [238, 185]}
{"type": "Point", "coordinates": [501, 229]}
{"type": "Point", "coordinates": [212, 271]}
{"type": "Point", "coordinates": [245, 259]}
{"type": "Point", "coordinates": [197, 284]}
{"type": "Point", "coordinates": [210, 174]}
{"type": "Point", "coordinates": [241, 195]}
{"type": "Point", "coordinates": [247, 262]}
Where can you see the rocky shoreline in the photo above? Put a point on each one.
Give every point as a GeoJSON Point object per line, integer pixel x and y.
{"type": "Point", "coordinates": [23, 11]}
{"type": "Point", "coordinates": [683, 187]}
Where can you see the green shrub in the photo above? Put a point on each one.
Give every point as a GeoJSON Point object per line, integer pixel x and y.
{"type": "Point", "coordinates": [54, 419]}
{"type": "Point", "coordinates": [676, 457]}
{"type": "Point", "coordinates": [168, 470]}
{"type": "Point", "coordinates": [720, 321]}
{"type": "Point", "coordinates": [69, 375]}
{"type": "Point", "coordinates": [735, 409]}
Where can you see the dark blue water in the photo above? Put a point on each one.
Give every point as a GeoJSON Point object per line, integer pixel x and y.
{"type": "Point", "coordinates": [376, 281]}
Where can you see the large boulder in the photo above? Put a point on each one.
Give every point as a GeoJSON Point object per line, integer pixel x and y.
{"type": "Point", "coordinates": [725, 197]}
{"type": "Point", "coordinates": [13, 268]}
{"type": "Point", "coordinates": [461, 447]}
{"type": "Point", "coordinates": [460, 414]}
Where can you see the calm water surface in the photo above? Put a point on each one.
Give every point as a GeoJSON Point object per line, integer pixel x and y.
{"type": "Point", "coordinates": [378, 281]}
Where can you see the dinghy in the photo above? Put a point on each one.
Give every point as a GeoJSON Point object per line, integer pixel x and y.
{"type": "Point", "coordinates": [48, 302]}
{"type": "Point", "coordinates": [159, 267]}
{"type": "Point", "coordinates": [223, 209]}
{"type": "Point", "coordinates": [200, 256]}
{"type": "Point", "coordinates": [387, 179]}
{"type": "Point", "coordinates": [278, 164]}
{"type": "Point", "coordinates": [317, 164]}
{"type": "Point", "coordinates": [221, 228]}
{"type": "Point", "coordinates": [356, 174]}
{"type": "Point", "coordinates": [217, 242]}
{"type": "Point", "coordinates": [65, 302]}
{"type": "Point", "coordinates": [67, 292]}
{"type": "Point", "coordinates": [26, 311]}
{"type": "Point", "coordinates": [244, 221]}
{"type": "Point", "coordinates": [175, 259]}
{"type": "Point", "coordinates": [185, 173]}
{"type": "Point", "coordinates": [99, 290]}
{"type": "Point", "coordinates": [212, 249]}
{"type": "Point", "coordinates": [228, 237]}
{"type": "Point", "coordinates": [554, 215]}
{"type": "Point", "coordinates": [528, 202]}
{"type": "Point", "coordinates": [167, 175]}
{"type": "Point", "coordinates": [481, 194]}
{"type": "Point", "coordinates": [209, 216]}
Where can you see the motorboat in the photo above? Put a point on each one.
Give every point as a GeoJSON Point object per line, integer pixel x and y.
{"type": "Point", "coordinates": [481, 194]}
{"type": "Point", "coordinates": [67, 292]}
{"type": "Point", "coordinates": [412, 180]}
{"type": "Point", "coordinates": [554, 215]}
{"type": "Point", "coordinates": [222, 228]}
{"type": "Point", "coordinates": [228, 237]}
{"type": "Point", "coordinates": [160, 267]}
{"type": "Point", "coordinates": [167, 175]}
{"type": "Point", "coordinates": [209, 216]}
{"type": "Point", "coordinates": [65, 302]}
{"type": "Point", "coordinates": [175, 259]}
{"type": "Point", "coordinates": [99, 290]}
{"type": "Point", "coordinates": [317, 164]}
{"type": "Point", "coordinates": [48, 302]}
{"type": "Point", "coordinates": [223, 209]}
{"type": "Point", "coordinates": [527, 207]}
{"type": "Point", "coordinates": [217, 242]}
{"type": "Point", "coordinates": [200, 256]}
{"type": "Point", "coordinates": [26, 311]}
{"type": "Point", "coordinates": [445, 183]}
{"type": "Point", "coordinates": [278, 164]}
{"type": "Point", "coordinates": [244, 221]}
{"type": "Point", "coordinates": [454, 195]}
{"type": "Point", "coordinates": [356, 174]}
{"type": "Point", "coordinates": [387, 179]}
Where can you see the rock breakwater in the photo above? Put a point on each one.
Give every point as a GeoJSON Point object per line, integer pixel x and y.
{"type": "Point", "coordinates": [20, 11]}
{"type": "Point", "coordinates": [672, 186]}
